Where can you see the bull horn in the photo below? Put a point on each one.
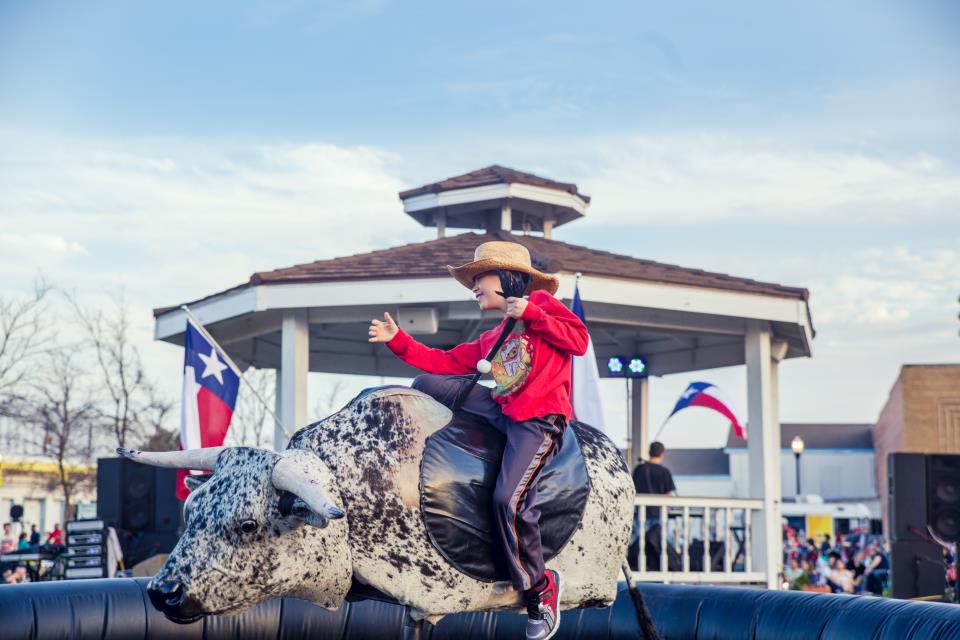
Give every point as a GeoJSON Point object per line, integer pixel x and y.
{"type": "Point", "coordinates": [297, 471]}
{"type": "Point", "coordinates": [199, 459]}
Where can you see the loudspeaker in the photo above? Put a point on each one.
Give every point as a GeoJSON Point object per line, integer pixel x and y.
{"type": "Point", "coordinates": [943, 496]}
{"type": "Point", "coordinates": [109, 482]}
{"type": "Point", "coordinates": [907, 487]}
{"type": "Point", "coordinates": [917, 570]}
{"type": "Point", "coordinates": [167, 510]}
{"type": "Point", "coordinates": [923, 504]}
{"type": "Point", "coordinates": [923, 496]}
{"type": "Point", "coordinates": [140, 502]}
{"type": "Point", "coordinates": [137, 498]}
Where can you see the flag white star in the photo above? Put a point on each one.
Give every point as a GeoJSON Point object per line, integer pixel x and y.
{"type": "Point", "coordinates": [689, 392]}
{"type": "Point", "coordinates": [212, 365]}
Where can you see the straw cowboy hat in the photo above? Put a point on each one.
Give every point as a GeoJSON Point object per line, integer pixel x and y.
{"type": "Point", "coordinates": [503, 255]}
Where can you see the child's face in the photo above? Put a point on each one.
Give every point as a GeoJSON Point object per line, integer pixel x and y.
{"type": "Point", "coordinates": [485, 287]}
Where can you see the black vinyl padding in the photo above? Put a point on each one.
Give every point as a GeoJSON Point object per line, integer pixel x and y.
{"type": "Point", "coordinates": [458, 474]}
{"type": "Point", "coordinates": [119, 609]}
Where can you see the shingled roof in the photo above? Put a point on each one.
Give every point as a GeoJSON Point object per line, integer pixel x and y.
{"type": "Point", "coordinates": [494, 174]}
{"type": "Point", "coordinates": [429, 259]}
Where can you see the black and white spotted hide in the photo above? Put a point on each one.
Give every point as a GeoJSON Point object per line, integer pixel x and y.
{"type": "Point", "coordinates": [374, 447]}
{"type": "Point", "coordinates": [367, 458]}
{"type": "Point", "coordinates": [246, 541]}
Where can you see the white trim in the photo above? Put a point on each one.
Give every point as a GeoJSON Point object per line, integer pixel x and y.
{"type": "Point", "coordinates": [654, 500]}
{"type": "Point", "coordinates": [219, 307]}
{"type": "Point", "coordinates": [252, 299]}
{"type": "Point", "coordinates": [377, 292]}
{"type": "Point", "coordinates": [688, 298]}
{"type": "Point", "coordinates": [406, 291]}
{"type": "Point", "coordinates": [494, 192]}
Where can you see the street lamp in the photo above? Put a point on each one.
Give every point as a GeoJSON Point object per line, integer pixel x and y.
{"type": "Point", "coordinates": [797, 445]}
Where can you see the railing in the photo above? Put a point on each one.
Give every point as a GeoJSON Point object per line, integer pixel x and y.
{"type": "Point", "coordinates": [705, 540]}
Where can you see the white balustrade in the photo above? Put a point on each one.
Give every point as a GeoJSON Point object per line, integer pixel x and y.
{"type": "Point", "coordinates": [721, 523]}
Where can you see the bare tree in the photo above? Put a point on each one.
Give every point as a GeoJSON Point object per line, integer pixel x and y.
{"type": "Point", "coordinates": [24, 335]}
{"type": "Point", "coordinates": [60, 415]}
{"type": "Point", "coordinates": [129, 395]}
{"type": "Point", "coordinates": [154, 418]}
{"type": "Point", "coordinates": [251, 425]}
{"type": "Point", "coordinates": [329, 402]}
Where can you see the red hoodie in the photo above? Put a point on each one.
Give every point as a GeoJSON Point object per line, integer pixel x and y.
{"type": "Point", "coordinates": [532, 368]}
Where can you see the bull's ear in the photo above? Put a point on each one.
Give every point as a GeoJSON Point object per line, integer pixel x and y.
{"type": "Point", "coordinates": [292, 505]}
{"type": "Point", "coordinates": [302, 511]}
{"type": "Point", "coordinates": [195, 482]}
{"type": "Point", "coordinates": [303, 474]}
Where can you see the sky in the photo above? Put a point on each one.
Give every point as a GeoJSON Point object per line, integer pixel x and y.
{"type": "Point", "coordinates": [172, 149]}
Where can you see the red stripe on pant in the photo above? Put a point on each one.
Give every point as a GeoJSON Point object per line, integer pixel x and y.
{"type": "Point", "coordinates": [532, 474]}
{"type": "Point", "coordinates": [516, 518]}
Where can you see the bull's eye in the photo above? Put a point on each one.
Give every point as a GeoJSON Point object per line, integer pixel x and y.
{"type": "Point", "coordinates": [249, 526]}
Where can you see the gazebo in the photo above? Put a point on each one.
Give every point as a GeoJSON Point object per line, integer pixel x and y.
{"type": "Point", "coordinates": [313, 317]}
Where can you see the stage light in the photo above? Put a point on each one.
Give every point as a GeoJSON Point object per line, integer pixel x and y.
{"type": "Point", "coordinates": [626, 366]}
{"type": "Point", "coordinates": [615, 365]}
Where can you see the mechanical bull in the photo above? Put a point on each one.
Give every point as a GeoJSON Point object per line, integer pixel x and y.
{"type": "Point", "coordinates": [343, 503]}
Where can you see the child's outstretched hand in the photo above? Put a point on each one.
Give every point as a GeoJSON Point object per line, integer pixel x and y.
{"type": "Point", "coordinates": [516, 307]}
{"type": "Point", "coordinates": [383, 330]}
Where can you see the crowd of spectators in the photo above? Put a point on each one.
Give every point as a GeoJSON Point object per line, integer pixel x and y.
{"type": "Point", "coordinates": [23, 542]}
{"type": "Point", "coordinates": [857, 562]}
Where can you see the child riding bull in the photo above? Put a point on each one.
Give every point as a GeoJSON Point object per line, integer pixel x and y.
{"type": "Point", "coordinates": [530, 403]}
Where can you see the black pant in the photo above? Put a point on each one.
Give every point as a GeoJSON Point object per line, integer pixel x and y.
{"type": "Point", "coordinates": [531, 445]}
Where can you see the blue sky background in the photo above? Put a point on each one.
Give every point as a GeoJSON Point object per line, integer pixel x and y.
{"type": "Point", "coordinates": [175, 148]}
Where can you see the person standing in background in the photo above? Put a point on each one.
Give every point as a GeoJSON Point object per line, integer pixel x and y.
{"type": "Point", "coordinates": [6, 543]}
{"type": "Point", "coordinates": [650, 477]}
{"type": "Point", "coordinates": [55, 536]}
{"type": "Point", "coordinates": [34, 537]}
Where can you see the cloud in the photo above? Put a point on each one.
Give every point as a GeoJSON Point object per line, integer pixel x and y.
{"type": "Point", "coordinates": [886, 290]}
{"type": "Point", "coordinates": [39, 242]}
{"type": "Point", "coordinates": [173, 220]}
{"type": "Point", "coordinates": [701, 178]}
{"type": "Point", "coordinates": [185, 219]}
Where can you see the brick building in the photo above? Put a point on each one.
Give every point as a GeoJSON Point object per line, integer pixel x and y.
{"type": "Point", "coordinates": [922, 415]}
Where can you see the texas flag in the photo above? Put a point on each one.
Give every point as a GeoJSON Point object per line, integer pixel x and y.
{"type": "Point", "coordinates": [210, 389]}
{"type": "Point", "coordinates": [586, 378]}
{"type": "Point", "coordinates": [704, 394]}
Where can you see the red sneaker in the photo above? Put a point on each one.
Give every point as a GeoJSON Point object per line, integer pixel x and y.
{"type": "Point", "coordinates": [543, 615]}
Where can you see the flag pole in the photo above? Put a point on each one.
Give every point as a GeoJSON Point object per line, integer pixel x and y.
{"type": "Point", "coordinates": [662, 427]}
{"type": "Point", "coordinates": [233, 366]}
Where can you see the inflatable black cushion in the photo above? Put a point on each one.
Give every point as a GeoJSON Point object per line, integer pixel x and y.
{"type": "Point", "coordinates": [457, 478]}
